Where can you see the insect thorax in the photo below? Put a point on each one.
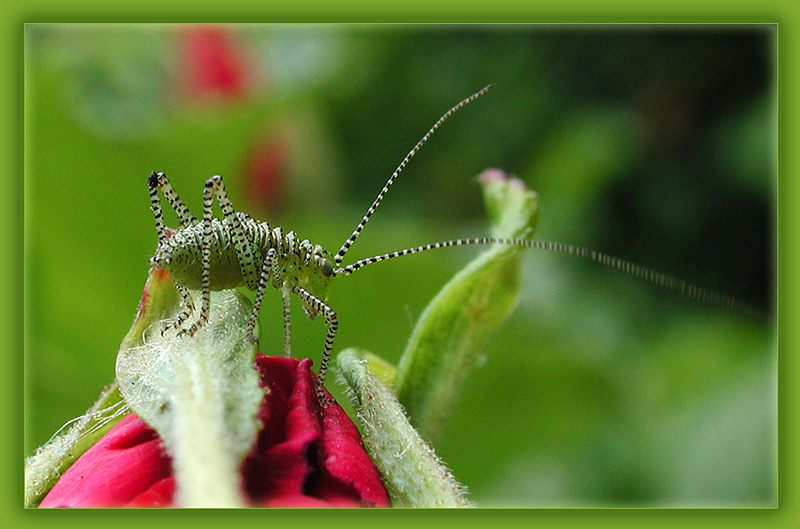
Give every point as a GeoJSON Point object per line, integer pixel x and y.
{"type": "Point", "coordinates": [300, 262]}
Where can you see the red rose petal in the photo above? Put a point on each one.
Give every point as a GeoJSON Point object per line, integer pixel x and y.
{"type": "Point", "coordinates": [123, 465]}
{"type": "Point", "coordinates": [305, 455]}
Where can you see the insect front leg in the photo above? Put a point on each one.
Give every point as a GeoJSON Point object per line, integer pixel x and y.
{"type": "Point", "coordinates": [268, 270]}
{"type": "Point", "coordinates": [287, 320]}
{"type": "Point", "coordinates": [333, 325]}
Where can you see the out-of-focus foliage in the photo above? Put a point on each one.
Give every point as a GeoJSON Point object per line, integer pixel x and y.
{"type": "Point", "coordinates": [653, 144]}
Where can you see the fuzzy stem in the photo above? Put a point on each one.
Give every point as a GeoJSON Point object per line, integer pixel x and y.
{"type": "Point", "coordinates": [411, 472]}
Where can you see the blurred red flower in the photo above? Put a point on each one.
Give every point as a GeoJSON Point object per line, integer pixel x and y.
{"type": "Point", "coordinates": [265, 171]}
{"type": "Point", "coordinates": [305, 456]}
{"type": "Point", "coordinates": [214, 65]}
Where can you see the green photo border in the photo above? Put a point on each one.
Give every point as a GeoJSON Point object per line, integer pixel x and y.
{"type": "Point", "coordinates": [17, 12]}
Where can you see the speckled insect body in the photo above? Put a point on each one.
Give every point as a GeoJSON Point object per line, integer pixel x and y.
{"type": "Point", "coordinates": [237, 250]}
{"type": "Point", "coordinates": [298, 262]}
{"type": "Point", "coordinates": [241, 252]}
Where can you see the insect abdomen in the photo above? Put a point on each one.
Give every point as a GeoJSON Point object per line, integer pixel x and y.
{"type": "Point", "coordinates": [182, 256]}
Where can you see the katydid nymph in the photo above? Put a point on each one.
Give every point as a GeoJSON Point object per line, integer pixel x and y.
{"type": "Point", "coordinates": [217, 254]}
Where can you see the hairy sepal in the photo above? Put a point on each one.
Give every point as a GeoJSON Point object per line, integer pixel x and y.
{"type": "Point", "coordinates": [453, 328]}
{"type": "Point", "coordinates": [410, 470]}
{"type": "Point", "coordinates": [200, 393]}
{"type": "Point", "coordinates": [44, 468]}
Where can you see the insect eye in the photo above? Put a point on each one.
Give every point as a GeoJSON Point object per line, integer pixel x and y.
{"type": "Point", "coordinates": [326, 267]}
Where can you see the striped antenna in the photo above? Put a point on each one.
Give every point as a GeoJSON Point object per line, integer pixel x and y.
{"type": "Point", "coordinates": [657, 278]}
{"type": "Point", "coordinates": [349, 242]}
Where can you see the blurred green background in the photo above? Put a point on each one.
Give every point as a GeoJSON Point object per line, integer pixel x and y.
{"type": "Point", "coordinates": [654, 144]}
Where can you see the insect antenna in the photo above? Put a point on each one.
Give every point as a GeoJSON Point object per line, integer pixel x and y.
{"type": "Point", "coordinates": [657, 278]}
{"type": "Point", "coordinates": [350, 240]}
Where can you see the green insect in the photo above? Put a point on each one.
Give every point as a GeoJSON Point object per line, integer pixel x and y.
{"type": "Point", "coordinates": [213, 254]}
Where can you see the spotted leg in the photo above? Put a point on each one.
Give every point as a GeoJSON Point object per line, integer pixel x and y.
{"type": "Point", "coordinates": [246, 250]}
{"type": "Point", "coordinates": [158, 181]}
{"type": "Point", "coordinates": [188, 307]}
{"type": "Point", "coordinates": [268, 269]}
{"type": "Point", "coordinates": [286, 292]}
{"type": "Point", "coordinates": [333, 325]}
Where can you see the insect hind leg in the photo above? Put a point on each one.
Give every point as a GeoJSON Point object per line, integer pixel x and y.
{"type": "Point", "coordinates": [188, 307]}
{"type": "Point", "coordinates": [247, 252]}
{"type": "Point", "coordinates": [160, 181]}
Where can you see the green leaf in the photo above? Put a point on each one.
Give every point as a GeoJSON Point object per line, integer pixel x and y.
{"type": "Point", "coordinates": [411, 472]}
{"type": "Point", "coordinates": [201, 393]}
{"type": "Point", "coordinates": [44, 468]}
{"type": "Point", "coordinates": [451, 331]}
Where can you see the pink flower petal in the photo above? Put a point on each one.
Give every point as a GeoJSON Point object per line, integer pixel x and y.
{"type": "Point", "coordinates": [122, 466]}
{"type": "Point", "coordinates": [310, 460]}
{"type": "Point", "coordinates": [305, 455]}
